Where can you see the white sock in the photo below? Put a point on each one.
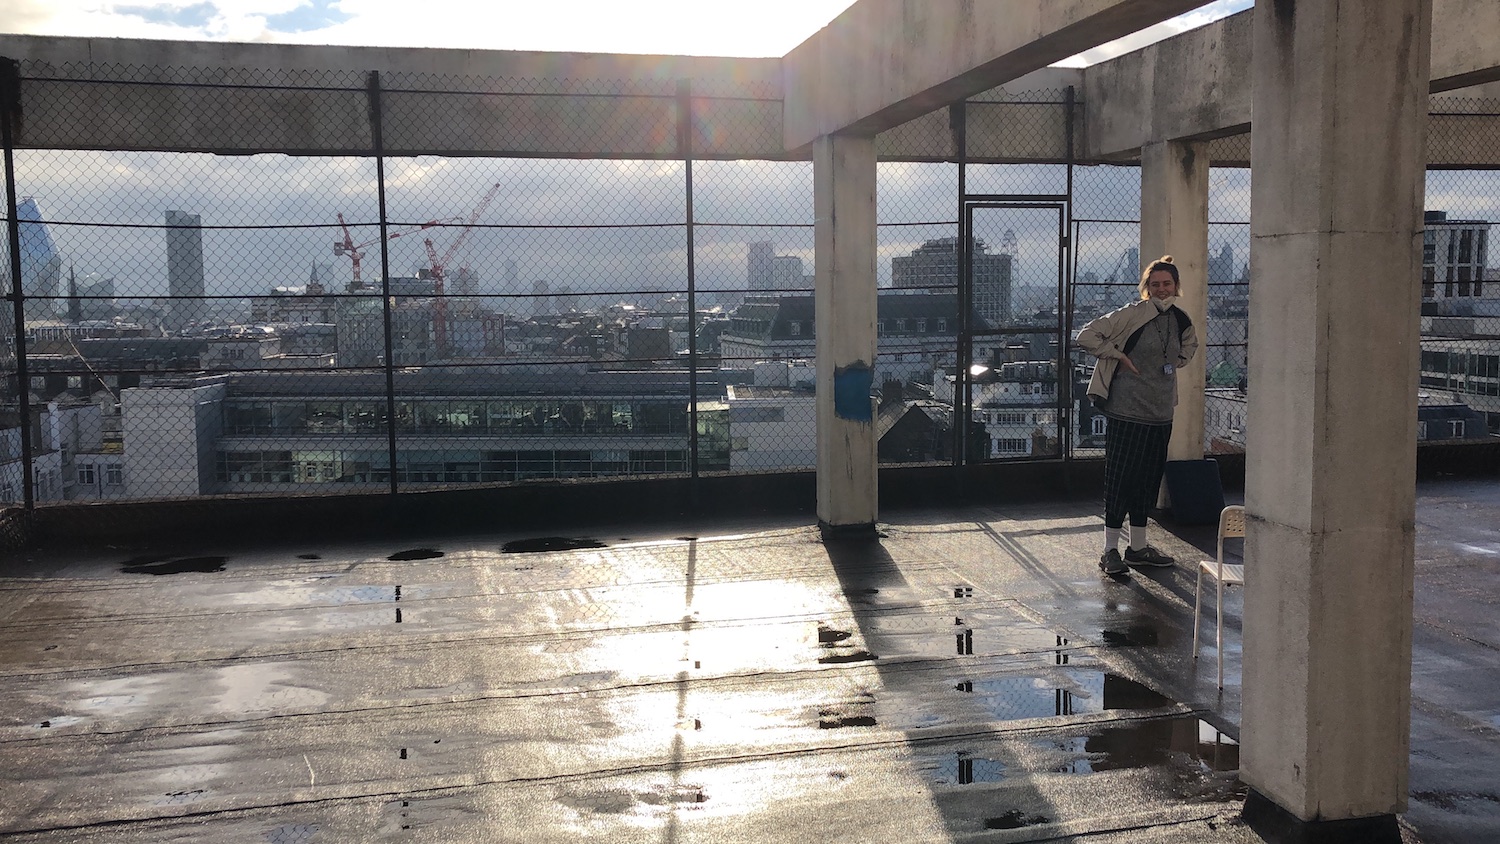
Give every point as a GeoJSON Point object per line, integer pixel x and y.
{"type": "Point", "coordinates": [1137, 537]}
{"type": "Point", "coordinates": [1112, 538]}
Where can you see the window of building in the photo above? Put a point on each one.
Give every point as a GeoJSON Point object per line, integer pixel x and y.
{"type": "Point", "coordinates": [1456, 428]}
{"type": "Point", "coordinates": [900, 325]}
{"type": "Point", "coordinates": [1010, 417]}
{"type": "Point", "coordinates": [1421, 430]}
{"type": "Point", "coordinates": [796, 328]}
{"type": "Point", "coordinates": [1429, 282]}
{"type": "Point", "coordinates": [114, 474]}
{"type": "Point", "coordinates": [1466, 246]}
{"type": "Point", "coordinates": [942, 326]}
{"type": "Point", "coordinates": [86, 474]}
{"type": "Point", "coordinates": [880, 328]}
{"type": "Point", "coordinates": [1465, 275]}
{"type": "Point", "coordinates": [921, 326]}
{"type": "Point", "coordinates": [1099, 424]}
{"type": "Point", "coordinates": [1010, 445]}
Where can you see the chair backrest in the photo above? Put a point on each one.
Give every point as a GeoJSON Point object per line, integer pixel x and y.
{"type": "Point", "coordinates": [1231, 525]}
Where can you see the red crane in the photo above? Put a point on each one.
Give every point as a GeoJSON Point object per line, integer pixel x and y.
{"type": "Point", "coordinates": [439, 270]}
{"type": "Point", "coordinates": [355, 251]}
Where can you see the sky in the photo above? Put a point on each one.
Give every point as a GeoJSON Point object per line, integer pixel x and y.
{"type": "Point", "coordinates": [681, 27]}
{"type": "Point", "coordinates": [289, 204]}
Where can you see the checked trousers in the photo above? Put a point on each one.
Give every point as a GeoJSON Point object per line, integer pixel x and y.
{"type": "Point", "coordinates": [1135, 455]}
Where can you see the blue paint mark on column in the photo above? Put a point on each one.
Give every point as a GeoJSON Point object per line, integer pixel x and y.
{"type": "Point", "coordinates": [851, 391]}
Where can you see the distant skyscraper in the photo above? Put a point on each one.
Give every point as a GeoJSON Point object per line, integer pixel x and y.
{"type": "Point", "coordinates": [541, 302]}
{"type": "Point", "coordinates": [1221, 266]}
{"type": "Point", "coordinates": [184, 269]}
{"type": "Point", "coordinates": [41, 266]}
{"type": "Point", "coordinates": [759, 272]}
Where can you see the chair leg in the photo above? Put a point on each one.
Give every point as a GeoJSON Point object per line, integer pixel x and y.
{"type": "Point", "coordinates": [1219, 634]}
{"type": "Point", "coordinates": [1197, 605]}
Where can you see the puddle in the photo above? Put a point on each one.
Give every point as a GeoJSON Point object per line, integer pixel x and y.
{"type": "Point", "coordinates": [548, 543]}
{"type": "Point", "coordinates": [1016, 698]}
{"type": "Point", "coordinates": [158, 565]}
{"type": "Point", "coordinates": [415, 554]}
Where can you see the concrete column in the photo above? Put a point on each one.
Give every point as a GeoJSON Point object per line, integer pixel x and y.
{"type": "Point", "coordinates": [1340, 96]}
{"type": "Point", "coordinates": [1174, 221]}
{"type": "Point", "coordinates": [844, 288]}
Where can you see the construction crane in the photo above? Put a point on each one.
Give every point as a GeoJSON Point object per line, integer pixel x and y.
{"type": "Point", "coordinates": [439, 270]}
{"type": "Point", "coordinates": [355, 251]}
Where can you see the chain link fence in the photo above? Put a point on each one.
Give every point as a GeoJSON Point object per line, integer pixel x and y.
{"type": "Point", "coordinates": [461, 298]}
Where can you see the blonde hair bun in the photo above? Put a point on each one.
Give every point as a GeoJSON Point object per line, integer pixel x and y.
{"type": "Point", "coordinates": [1165, 259]}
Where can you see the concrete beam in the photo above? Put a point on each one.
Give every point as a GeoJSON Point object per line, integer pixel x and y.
{"type": "Point", "coordinates": [109, 93]}
{"type": "Point", "coordinates": [885, 62]}
{"type": "Point", "coordinates": [1197, 84]}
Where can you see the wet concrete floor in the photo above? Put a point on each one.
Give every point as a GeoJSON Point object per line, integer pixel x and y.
{"type": "Point", "coordinates": [970, 676]}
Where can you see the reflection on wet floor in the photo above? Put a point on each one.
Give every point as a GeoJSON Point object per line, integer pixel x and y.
{"type": "Point", "coordinates": [960, 768]}
{"type": "Point", "coordinates": [1069, 691]}
{"type": "Point", "coordinates": [1184, 744]}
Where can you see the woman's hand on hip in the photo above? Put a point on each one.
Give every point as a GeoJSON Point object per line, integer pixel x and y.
{"type": "Point", "coordinates": [1128, 364]}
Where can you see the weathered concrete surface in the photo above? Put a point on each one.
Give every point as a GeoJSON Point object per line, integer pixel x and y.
{"type": "Point", "coordinates": [844, 286]}
{"type": "Point", "coordinates": [1336, 233]}
{"type": "Point", "coordinates": [747, 684]}
{"type": "Point", "coordinates": [1197, 84]}
{"type": "Point", "coordinates": [884, 62]}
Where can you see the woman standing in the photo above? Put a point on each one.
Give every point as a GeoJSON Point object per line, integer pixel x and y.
{"type": "Point", "coordinates": [1140, 348]}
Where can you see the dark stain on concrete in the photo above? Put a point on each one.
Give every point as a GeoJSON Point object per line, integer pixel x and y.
{"type": "Point", "coordinates": [855, 656]}
{"type": "Point", "coordinates": [1015, 819]}
{"type": "Point", "coordinates": [158, 566]}
{"type": "Point", "coordinates": [549, 543]}
{"type": "Point", "coordinates": [415, 554]}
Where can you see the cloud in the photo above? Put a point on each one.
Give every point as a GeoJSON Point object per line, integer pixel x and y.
{"type": "Point", "coordinates": [196, 16]}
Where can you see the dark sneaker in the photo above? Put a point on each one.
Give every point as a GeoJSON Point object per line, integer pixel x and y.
{"type": "Point", "coordinates": [1110, 562]}
{"type": "Point", "coordinates": [1148, 556]}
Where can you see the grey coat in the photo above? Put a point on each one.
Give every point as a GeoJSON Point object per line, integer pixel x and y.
{"type": "Point", "coordinates": [1105, 337]}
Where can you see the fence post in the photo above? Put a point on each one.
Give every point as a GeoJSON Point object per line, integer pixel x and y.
{"type": "Point", "coordinates": [10, 117]}
{"type": "Point", "coordinates": [685, 149]}
{"type": "Point", "coordinates": [377, 141]}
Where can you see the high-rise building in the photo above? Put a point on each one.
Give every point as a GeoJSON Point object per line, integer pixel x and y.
{"type": "Point", "coordinates": [1221, 266]}
{"type": "Point", "coordinates": [1454, 255]}
{"type": "Point", "coordinates": [184, 270]}
{"type": "Point", "coordinates": [759, 272]}
{"type": "Point", "coordinates": [934, 267]}
{"type": "Point", "coordinates": [41, 265]}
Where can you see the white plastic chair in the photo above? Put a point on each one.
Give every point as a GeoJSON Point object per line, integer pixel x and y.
{"type": "Point", "coordinates": [1231, 525]}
